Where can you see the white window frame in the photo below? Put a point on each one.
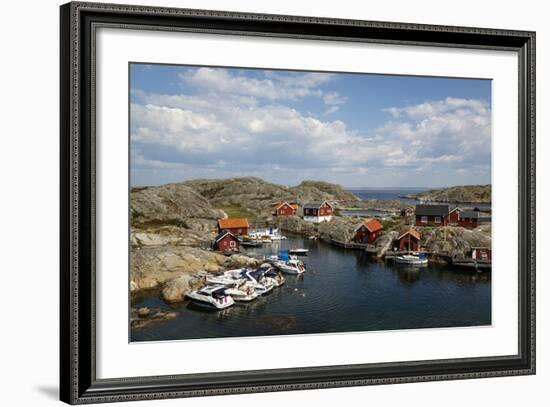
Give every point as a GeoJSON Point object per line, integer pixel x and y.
{"type": "Point", "coordinates": [424, 219]}
{"type": "Point", "coordinates": [232, 243]}
{"type": "Point", "coordinates": [438, 219]}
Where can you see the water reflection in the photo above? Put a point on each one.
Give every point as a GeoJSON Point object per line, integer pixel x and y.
{"type": "Point", "coordinates": [341, 291]}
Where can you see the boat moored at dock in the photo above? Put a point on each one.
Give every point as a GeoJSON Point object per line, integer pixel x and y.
{"type": "Point", "coordinates": [419, 259]}
{"type": "Point", "coordinates": [299, 252]}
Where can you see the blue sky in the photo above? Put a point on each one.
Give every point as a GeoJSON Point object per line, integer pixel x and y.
{"type": "Point", "coordinates": [358, 130]}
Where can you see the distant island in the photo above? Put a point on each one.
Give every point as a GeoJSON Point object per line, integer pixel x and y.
{"type": "Point", "coordinates": [456, 194]}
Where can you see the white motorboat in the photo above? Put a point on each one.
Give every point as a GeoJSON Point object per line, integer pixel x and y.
{"type": "Point", "coordinates": [299, 252]}
{"type": "Point", "coordinates": [229, 278]}
{"type": "Point", "coordinates": [276, 275]}
{"type": "Point", "coordinates": [244, 292]}
{"type": "Point", "coordinates": [412, 259]}
{"type": "Point", "coordinates": [212, 297]}
{"type": "Point", "coordinates": [260, 282]}
{"type": "Point", "coordinates": [266, 235]}
{"type": "Point", "coordinates": [291, 266]}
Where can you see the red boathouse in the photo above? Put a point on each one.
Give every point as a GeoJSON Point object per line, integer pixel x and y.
{"type": "Point", "coordinates": [226, 242]}
{"type": "Point", "coordinates": [408, 240]}
{"type": "Point", "coordinates": [237, 226]}
{"type": "Point", "coordinates": [368, 231]}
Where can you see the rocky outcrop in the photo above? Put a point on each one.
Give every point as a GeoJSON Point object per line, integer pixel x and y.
{"type": "Point", "coordinates": [143, 317]}
{"type": "Point", "coordinates": [319, 190]}
{"type": "Point", "coordinates": [384, 242]}
{"type": "Point", "coordinates": [254, 194]}
{"type": "Point", "coordinates": [176, 289]}
{"type": "Point", "coordinates": [296, 225]}
{"type": "Point", "coordinates": [455, 242]}
{"type": "Point", "coordinates": [151, 267]}
{"type": "Point", "coordinates": [373, 204]}
{"type": "Point", "coordinates": [171, 236]}
{"type": "Point", "coordinates": [340, 228]}
{"type": "Point", "coordinates": [457, 194]}
{"type": "Point", "coordinates": [172, 204]}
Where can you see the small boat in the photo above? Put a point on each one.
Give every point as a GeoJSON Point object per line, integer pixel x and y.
{"type": "Point", "coordinates": [291, 266]}
{"type": "Point", "coordinates": [212, 297]}
{"type": "Point", "coordinates": [299, 252]}
{"type": "Point", "coordinates": [276, 275]}
{"type": "Point", "coordinates": [412, 259]}
{"type": "Point", "coordinates": [244, 292]}
{"type": "Point", "coordinates": [251, 243]}
{"type": "Point", "coordinates": [259, 281]}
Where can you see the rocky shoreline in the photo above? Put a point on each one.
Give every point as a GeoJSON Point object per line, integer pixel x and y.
{"type": "Point", "coordinates": [173, 225]}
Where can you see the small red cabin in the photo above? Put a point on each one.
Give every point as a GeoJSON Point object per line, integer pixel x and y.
{"type": "Point", "coordinates": [237, 226]}
{"type": "Point", "coordinates": [408, 240]}
{"type": "Point", "coordinates": [285, 209]}
{"type": "Point", "coordinates": [454, 215]}
{"type": "Point", "coordinates": [368, 232]}
{"type": "Point", "coordinates": [481, 253]}
{"type": "Point", "coordinates": [226, 242]}
{"type": "Point", "coordinates": [318, 212]}
{"type": "Point", "coordinates": [434, 215]}
{"type": "Point", "coordinates": [469, 219]}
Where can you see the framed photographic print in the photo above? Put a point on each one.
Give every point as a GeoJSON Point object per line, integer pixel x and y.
{"type": "Point", "coordinates": [256, 203]}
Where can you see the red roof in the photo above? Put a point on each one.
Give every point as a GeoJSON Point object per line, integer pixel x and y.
{"type": "Point", "coordinates": [231, 223]}
{"type": "Point", "coordinates": [410, 231]}
{"type": "Point", "coordinates": [373, 225]}
{"type": "Point", "coordinates": [277, 205]}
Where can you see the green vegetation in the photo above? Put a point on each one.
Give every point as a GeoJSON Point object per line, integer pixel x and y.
{"type": "Point", "coordinates": [394, 223]}
{"type": "Point", "coordinates": [237, 211]}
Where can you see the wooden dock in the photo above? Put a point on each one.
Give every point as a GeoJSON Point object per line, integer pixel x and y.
{"type": "Point", "coordinates": [353, 245]}
{"type": "Point", "coordinates": [479, 265]}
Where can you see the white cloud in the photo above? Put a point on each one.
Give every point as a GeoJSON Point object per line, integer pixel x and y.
{"type": "Point", "coordinates": [333, 100]}
{"type": "Point", "coordinates": [274, 87]}
{"type": "Point", "coordinates": [238, 125]}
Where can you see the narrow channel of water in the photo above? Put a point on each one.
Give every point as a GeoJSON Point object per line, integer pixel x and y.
{"type": "Point", "coordinates": [341, 291]}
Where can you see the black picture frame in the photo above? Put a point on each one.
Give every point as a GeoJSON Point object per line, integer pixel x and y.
{"type": "Point", "coordinates": [78, 382]}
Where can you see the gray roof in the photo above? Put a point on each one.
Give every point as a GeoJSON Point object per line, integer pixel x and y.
{"type": "Point", "coordinates": [432, 210]}
{"type": "Point", "coordinates": [469, 214]}
{"type": "Point", "coordinates": [314, 204]}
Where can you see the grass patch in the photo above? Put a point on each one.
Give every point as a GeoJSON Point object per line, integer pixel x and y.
{"type": "Point", "coordinates": [237, 211]}
{"type": "Point", "coordinates": [395, 223]}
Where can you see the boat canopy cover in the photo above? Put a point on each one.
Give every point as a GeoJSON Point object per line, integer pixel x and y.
{"type": "Point", "coordinates": [283, 255]}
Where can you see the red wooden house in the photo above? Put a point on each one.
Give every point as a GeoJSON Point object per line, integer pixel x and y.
{"type": "Point", "coordinates": [368, 231]}
{"type": "Point", "coordinates": [320, 211]}
{"type": "Point", "coordinates": [482, 253]}
{"type": "Point", "coordinates": [226, 242]}
{"type": "Point", "coordinates": [454, 215]}
{"type": "Point", "coordinates": [237, 226]}
{"type": "Point", "coordinates": [285, 209]}
{"type": "Point", "coordinates": [408, 240]}
{"type": "Point", "coordinates": [469, 219]}
{"type": "Point", "coordinates": [435, 215]}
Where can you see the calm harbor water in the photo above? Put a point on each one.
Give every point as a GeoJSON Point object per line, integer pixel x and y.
{"type": "Point", "coordinates": [341, 291]}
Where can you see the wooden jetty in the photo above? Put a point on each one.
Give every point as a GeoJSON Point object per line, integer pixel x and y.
{"type": "Point", "coordinates": [354, 245]}
{"type": "Point", "coordinates": [479, 265]}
